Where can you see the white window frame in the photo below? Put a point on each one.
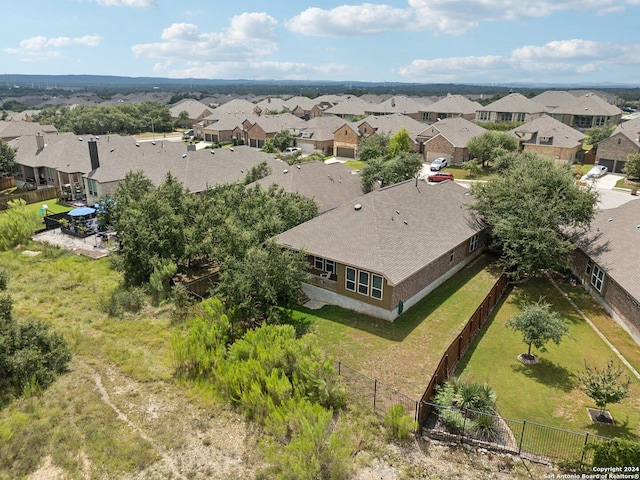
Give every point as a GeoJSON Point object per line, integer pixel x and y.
{"type": "Point", "coordinates": [473, 243]}
{"type": "Point", "coordinates": [363, 285]}
{"type": "Point", "coordinates": [318, 263]}
{"type": "Point", "coordinates": [484, 116]}
{"type": "Point", "coordinates": [353, 281]}
{"type": "Point", "coordinates": [377, 292]}
{"type": "Point", "coordinates": [597, 277]}
{"type": "Point", "coordinates": [92, 186]}
{"type": "Point", "coordinates": [330, 266]}
{"type": "Point", "coordinates": [589, 267]}
{"type": "Point", "coordinates": [452, 256]}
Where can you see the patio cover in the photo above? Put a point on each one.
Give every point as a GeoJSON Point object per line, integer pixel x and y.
{"type": "Point", "coordinates": [81, 212]}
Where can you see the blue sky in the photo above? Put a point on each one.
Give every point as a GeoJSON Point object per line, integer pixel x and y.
{"type": "Point", "coordinates": [426, 41]}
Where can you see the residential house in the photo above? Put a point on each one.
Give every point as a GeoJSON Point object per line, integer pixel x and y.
{"type": "Point", "coordinates": [349, 108]}
{"type": "Point", "coordinates": [18, 128]}
{"type": "Point", "coordinates": [271, 106]}
{"type": "Point", "coordinates": [304, 107]}
{"type": "Point", "coordinates": [552, 99]}
{"type": "Point", "coordinates": [228, 127]}
{"type": "Point", "coordinates": [391, 124]}
{"type": "Point", "coordinates": [606, 263]}
{"type": "Point", "coordinates": [397, 105]}
{"type": "Point", "coordinates": [383, 252]}
{"type": "Point", "coordinates": [614, 151]}
{"type": "Point", "coordinates": [449, 107]}
{"type": "Point", "coordinates": [330, 185]}
{"type": "Point", "coordinates": [236, 106]}
{"type": "Point", "coordinates": [195, 112]}
{"type": "Point", "coordinates": [317, 134]}
{"type": "Point", "coordinates": [267, 126]}
{"type": "Point", "coordinates": [513, 107]}
{"type": "Point", "coordinates": [587, 111]}
{"type": "Point", "coordinates": [551, 138]}
{"type": "Point", "coordinates": [448, 138]}
{"type": "Point", "coordinates": [345, 140]}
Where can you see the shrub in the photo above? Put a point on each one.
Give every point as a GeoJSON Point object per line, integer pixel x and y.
{"type": "Point", "coordinates": [17, 225]}
{"type": "Point", "coordinates": [615, 453]}
{"type": "Point", "coordinates": [4, 280]}
{"type": "Point", "coordinates": [399, 424]}
{"type": "Point", "coordinates": [473, 166]}
{"type": "Point", "coordinates": [159, 280]}
{"type": "Point", "coordinates": [486, 428]}
{"type": "Point", "coordinates": [123, 300]}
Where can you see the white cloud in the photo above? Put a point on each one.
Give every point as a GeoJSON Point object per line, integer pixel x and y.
{"type": "Point", "coordinates": [255, 70]}
{"type": "Point", "coordinates": [40, 42]}
{"type": "Point", "coordinates": [350, 20]}
{"type": "Point", "coordinates": [248, 35]}
{"type": "Point", "coordinates": [454, 17]}
{"type": "Point", "coordinates": [127, 3]}
{"type": "Point", "coordinates": [553, 60]}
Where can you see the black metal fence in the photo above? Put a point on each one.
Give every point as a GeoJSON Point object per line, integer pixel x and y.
{"type": "Point", "coordinates": [372, 393]}
{"type": "Point", "coordinates": [534, 441]}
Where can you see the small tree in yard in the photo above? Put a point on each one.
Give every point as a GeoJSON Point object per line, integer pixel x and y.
{"type": "Point", "coordinates": [632, 167]}
{"type": "Point", "coordinates": [538, 325]}
{"type": "Point", "coordinates": [604, 387]}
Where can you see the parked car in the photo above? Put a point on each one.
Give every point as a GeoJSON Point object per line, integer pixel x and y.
{"type": "Point", "coordinates": [292, 149]}
{"type": "Point", "coordinates": [440, 177]}
{"type": "Point", "coordinates": [438, 164]}
{"type": "Point", "coordinates": [596, 172]}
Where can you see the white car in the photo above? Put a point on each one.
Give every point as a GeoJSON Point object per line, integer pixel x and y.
{"type": "Point", "coordinates": [292, 149]}
{"type": "Point", "coordinates": [438, 164]}
{"type": "Point", "coordinates": [596, 172]}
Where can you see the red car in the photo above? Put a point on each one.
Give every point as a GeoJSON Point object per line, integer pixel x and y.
{"type": "Point", "coordinates": [440, 177]}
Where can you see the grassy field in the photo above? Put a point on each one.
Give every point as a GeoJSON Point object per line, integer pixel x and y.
{"type": "Point", "coordinates": [404, 353]}
{"type": "Point", "coordinates": [461, 174]}
{"type": "Point", "coordinates": [549, 392]}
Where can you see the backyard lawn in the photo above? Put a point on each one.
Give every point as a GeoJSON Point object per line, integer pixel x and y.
{"type": "Point", "coordinates": [549, 392]}
{"type": "Point", "coordinates": [404, 354]}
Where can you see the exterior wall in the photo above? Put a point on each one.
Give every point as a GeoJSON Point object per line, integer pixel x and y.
{"type": "Point", "coordinates": [310, 145]}
{"type": "Point", "coordinates": [438, 146]}
{"type": "Point", "coordinates": [410, 292]}
{"type": "Point", "coordinates": [256, 136]}
{"type": "Point", "coordinates": [616, 149]}
{"type": "Point", "coordinates": [561, 154]}
{"type": "Point", "coordinates": [345, 137]}
{"type": "Point", "coordinates": [615, 300]}
{"type": "Point", "coordinates": [415, 288]}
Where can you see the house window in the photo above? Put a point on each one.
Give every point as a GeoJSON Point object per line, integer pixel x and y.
{"type": "Point", "coordinates": [473, 243]}
{"type": "Point", "coordinates": [376, 286]}
{"type": "Point", "coordinates": [330, 266]}
{"type": "Point", "coordinates": [520, 117]}
{"type": "Point", "coordinates": [318, 263]}
{"type": "Point", "coordinates": [92, 186]}
{"type": "Point", "coordinates": [350, 279]}
{"type": "Point", "coordinates": [597, 277]}
{"type": "Point", "coordinates": [363, 282]}
{"type": "Point", "coordinates": [505, 116]}
{"type": "Point", "coordinates": [452, 256]}
{"type": "Point", "coordinates": [589, 267]}
{"type": "Point", "coordinates": [484, 116]}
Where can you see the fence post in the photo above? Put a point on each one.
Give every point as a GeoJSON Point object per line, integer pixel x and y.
{"type": "Point", "coordinates": [464, 426]}
{"type": "Point", "coordinates": [584, 447]}
{"type": "Point", "coordinates": [339, 368]}
{"type": "Point", "coordinates": [375, 392]}
{"type": "Point", "coordinates": [524, 423]}
{"type": "Point", "coordinates": [416, 419]}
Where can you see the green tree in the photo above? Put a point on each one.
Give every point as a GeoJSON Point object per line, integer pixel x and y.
{"type": "Point", "coordinates": [387, 171]}
{"type": "Point", "coordinates": [262, 283]}
{"type": "Point", "coordinates": [373, 146]}
{"type": "Point", "coordinates": [595, 135]}
{"type": "Point", "coordinates": [269, 146]}
{"type": "Point", "coordinates": [8, 165]}
{"type": "Point", "coordinates": [487, 146]}
{"type": "Point", "coordinates": [604, 386]}
{"type": "Point", "coordinates": [530, 209]}
{"type": "Point", "coordinates": [282, 140]}
{"type": "Point", "coordinates": [473, 166]}
{"type": "Point", "coordinates": [632, 167]}
{"type": "Point", "coordinates": [538, 325]}
{"type": "Point", "coordinates": [257, 172]}
{"type": "Point", "coordinates": [17, 224]}
{"type": "Point", "coordinates": [399, 143]}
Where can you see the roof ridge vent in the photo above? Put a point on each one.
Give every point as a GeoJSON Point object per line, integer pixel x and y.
{"type": "Point", "coordinates": [357, 207]}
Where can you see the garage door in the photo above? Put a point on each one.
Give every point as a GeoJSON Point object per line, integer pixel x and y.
{"type": "Point", "coordinates": [619, 166]}
{"type": "Point", "coordinates": [607, 163]}
{"type": "Point", "coordinates": [306, 147]}
{"type": "Point", "coordinates": [346, 152]}
{"type": "Point", "coordinates": [431, 156]}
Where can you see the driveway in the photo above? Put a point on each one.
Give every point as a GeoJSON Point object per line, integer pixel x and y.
{"type": "Point", "coordinates": [610, 197]}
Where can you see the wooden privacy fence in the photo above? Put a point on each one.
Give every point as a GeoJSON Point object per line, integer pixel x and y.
{"type": "Point", "coordinates": [7, 182]}
{"type": "Point", "coordinates": [454, 353]}
{"type": "Point", "coordinates": [34, 196]}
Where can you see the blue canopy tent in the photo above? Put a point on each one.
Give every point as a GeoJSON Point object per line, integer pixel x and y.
{"type": "Point", "coordinates": [81, 212]}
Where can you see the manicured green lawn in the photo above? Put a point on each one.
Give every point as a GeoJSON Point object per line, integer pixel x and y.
{"type": "Point", "coordinates": [354, 164]}
{"type": "Point", "coordinates": [461, 174]}
{"type": "Point", "coordinates": [549, 392]}
{"type": "Point", "coordinates": [404, 353]}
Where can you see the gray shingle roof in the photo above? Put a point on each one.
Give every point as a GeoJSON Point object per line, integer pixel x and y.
{"type": "Point", "coordinates": [547, 127]}
{"type": "Point", "coordinates": [613, 244]}
{"type": "Point", "coordinates": [514, 103]}
{"type": "Point", "coordinates": [457, 130]}
{"type": "Point", "coordinates": [392, 123]}
{"type": "Point", "coordinates": [397, 231]}
{"type": "Point", "coordinates": [329, 185]}
{"type": "Point", "coordinates": [588, 104]}
{"type": "Point", "coordinates": [194, 108]}
{"type": "Point", "coordinates": [453, 104]}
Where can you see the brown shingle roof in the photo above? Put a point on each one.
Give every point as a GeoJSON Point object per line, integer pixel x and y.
{"type": "Point", "coordinates": [397, 231]}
